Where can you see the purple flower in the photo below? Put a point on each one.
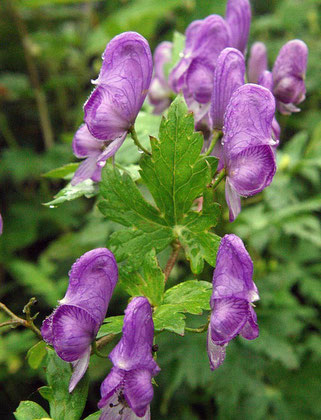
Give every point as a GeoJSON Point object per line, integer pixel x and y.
{"type": "Point", "coordinates": [159, 91]}
{"type": "Point", "coordinates": [233, 293]}
{"type": "Point", "coordinates": [238, 17]}
{"type": "Point", "coordinates": [205, 39]}
{"type": "Point", "coordinates": [257, 63]}
{"type": "Point", "coordinates": [127, 390]}
{"type": "Point", "coordinates": [73, 325]}
{"type": "Point", "coordinates": [121, 89]}
{"type": "Point", "coordinates": [248, 156]}
{"type": "Point", "coordinates": [288, 76]}
{"type": "Point", "coordinates": [228, 76]}
{"type": "Point", "coordinates": [266, 80]}
{"type": "Point", "coordinates": [1, 224]}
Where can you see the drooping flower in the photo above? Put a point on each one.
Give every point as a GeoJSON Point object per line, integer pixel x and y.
{"type": "Point", "coordinates": [248, 157]}
{"type": "Point", "coordinates": [127, 391]}
{"type": "Point", "coordinates": [121, 89]}
{"type": "Point", "coordinates": [257, 62]}
{"type": "Point", "coordinates": [233, 293]}
{"type": "Point", "coordinates": [159, 91]}
{"type": "Point", "coordinates": [288, 76]}
{"type": "Point", "coordinates": [238, 17]}
{"type": "Point", "coordinates": [73, 325]}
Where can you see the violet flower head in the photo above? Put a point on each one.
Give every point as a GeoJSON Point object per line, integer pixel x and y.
{"type": "Point", "coordinates": [121, 89]}
{"type": "Point", "coordinates": [73, 325]}
{"type": "Point", "coordinates": [288, 76]}
{"type": "Point", "coordinates": [127, 391]}
{"type": "Point", "coordinates": [257, 63]}
{"type": "Point", "coordinates": [249, 159]}
{"type": "Point", "coordinates": [205, 39]}
{"type": "Point", "coordinates": [238, 17]}
{"type": "Point", "coordinates": [233, 293]}
{"type": "Point", "coordinates": [159, 91]}
{"type": "Point", "coordinates": [228, 76]}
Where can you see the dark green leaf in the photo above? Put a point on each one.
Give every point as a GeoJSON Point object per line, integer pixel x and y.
{"type": "Point", "coordinates": [36, 354]}
{"type": "Point", "coordinates": [166, 317]}
{"type": "Point", "coordinates": [71, 192]}
{"type": "Point", "coordinates": [63, 172]}
{"type": "Point", "coordinates": [64, 405]}
{"type": "Point", "coordinates": [46, 392]}
{"type": "Point", "coordinates": [29, 410]}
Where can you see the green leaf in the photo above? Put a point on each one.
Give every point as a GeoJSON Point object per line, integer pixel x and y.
{"type": "Point", "coordinates": [64, 405]}
{"type": "Point", "coordinates": [191, 296]}
{"type": "Point", "coordinates": [177, 50]}
{"type": "Point", "coordinates": [70, 192]}
{"type": "Point", "coordinates": [63, 172]}
{"type": "Point", "coordinates": [175, 173]}
{"type": "Point", "coordinates": [36, 354]}
{"type": "Point", "coordinates": [46, 392]}
{"type": "Point", "coordinates": [94, 416]}
{"type": "Point", "coordinates": [111, 325]}
{"type": "Point", "coordinates": [123, 203]}
{"type": "Point", "coordinates": [29, 410]}
{"type": "Point", "coordinates": [148, 282]}
{"type": "Point", "coordinates": [166, 317]}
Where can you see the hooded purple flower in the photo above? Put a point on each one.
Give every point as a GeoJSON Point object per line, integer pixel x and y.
{"type": "Point", "coordinates": [238, 17]}
{"type": "Point", "coordinates": [159, 91]}
{"type": "Point", "coordinates": [127, 391]}
{"type": "Point", "coordinates": [257, 63]}
{"type": "Point", "coordinates": [288, 76]}
{"type": "Point", "coordinates": [233, 293]}
{"type": "Point", "coordinates": [73, 325]}
{"type": "Point", "coordinates": [249, 159]}
{"type": "Point", "coordinates": [121, 89]}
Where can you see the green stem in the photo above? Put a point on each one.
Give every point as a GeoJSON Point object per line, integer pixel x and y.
{"type": "Point", "coordinates": [216, 136]}
{"type": "Point", "coordinates": [133, 133]}
{"type": "Point", "coordinates": [7, 133]}
{"type": "Point", "coordinates": [218, 179]}
{"type": "Point", "coordinates": [172, 259]}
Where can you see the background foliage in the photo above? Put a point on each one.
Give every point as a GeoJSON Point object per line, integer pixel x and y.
{"type": "Point", "coordinates": [275, 377]}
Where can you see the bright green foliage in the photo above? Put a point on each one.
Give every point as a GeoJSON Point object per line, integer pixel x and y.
{"type": "Point", "coordinates": [148, 282]}
{"type": "Point", "coordinates": [111, 325]}
{"type": "Point", "coordinates": [36, 354]}
{"type": "Point", "coordinates": [29, 410]}
{"type": "Point", "coordinates": [86, 188]}
{"type": "Point", "coordinates": [94, 416]}
{"type": "Point", "coordinates": [64, 171]}
{"type": "Point", "coordinates": [64, 405]}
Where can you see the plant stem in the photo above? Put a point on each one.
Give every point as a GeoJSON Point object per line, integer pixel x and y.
{"type": "Point", "coordinates": [172, 259]}
{"type": "Point", "coordinates": [16, 320]}
{"type": "Point", "coordinates": [216, 136]}
{"type": "Point", "coordinates": [218, 179]}
{"type": "Point", "coordinates": [7, 133]}
{"type": "Point", "coordinates": [133, 133]}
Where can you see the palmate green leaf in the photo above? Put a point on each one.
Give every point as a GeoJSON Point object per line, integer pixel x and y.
{"type": "Point", "coordinates": [148, 282]}
{"type": "Point", "coordinates": [70, 192]}
{"type": "Point", "coordinates": [146, 229]}
{"type": "Point", "coordinates": [64, 405]}
{"type": "Point", "coordinates": [175, 173]}
{"type": "Point", "coordinates": [29, 410]}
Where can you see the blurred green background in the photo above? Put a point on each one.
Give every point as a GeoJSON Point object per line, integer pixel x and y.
{"type": "Point", "coordinates": [50, 50]}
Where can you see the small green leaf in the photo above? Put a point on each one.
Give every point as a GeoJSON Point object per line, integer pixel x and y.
{"type": "Point", "coordinates": [36, 354]}
{"type": "Point", "coordinates": [148, 282]}
{"type": "Point", "coordinates": [177, 50]}
{"type": "Point", "coordinates": [166, 317]}
{"type": "Point", "coordinates": [175, 173]}
{"type": "Point", "coordinates": [64, 405]}
{"type": "Point", "coordinates": [63, 172]}
{"type": "Point", "coordinates": [111, 325]}
{"type": "Point", "coordinates": [46, 392]}
{"type": "Point", "coordinates": [86, 188]}
{"type": "Point", "coordinates": [94, 416]}
{"type": "Point", "coordinates": [29, 410]}
{"type": "Point", "coordinates": [213, 162]}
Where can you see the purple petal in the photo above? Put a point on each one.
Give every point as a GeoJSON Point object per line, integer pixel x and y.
{"type": "Point", "coordinates": [110, 385]}
{"type": "Point", "coordinates": [84, 144]}
{"type": "Point", "coordinates": [110, 150]}
{"type": "Point", "coordinates": [218, 152]}
{"type": "Point", "coordinates": [1, 224]}
{"type": "Point", "coordinates": [248, 119]}
{"type": "Point", "coordinates": [238, 16]}
{"type": "Point", "coordinates": [87, 170]}
{"type": "Point", "coordinates": [46, 329]}
{"type": "Point", "coordinates": [233, 272]}
{"type": "Point", "coordinates": [216, 354]}
{"type": "Point", "coordinates": [73, 330]}
{"type": "Point", "coordinates": [199, 81]}
{"type": "Point", "coordinates": [162, 55]}
{"type": "Point", "coordinates": [228, 76]}
{"type": "Point", "coordinates": [123, 84]}
{"type": "Point", "coordinates": [233, 200]}
{"type": "Point", "coordinates": [227, 319]}
{"type": "Point", "coordinates": [93, 278]}
{"type": "Point", "coordinates": [134, 350]}
{"type": "Point", "coordinates": [257, 63]}
{"type": "Point", "coordinates": [113, 410]}
{"type": "Point", "coordinates": [288, 75]}
{"type": "Point", "coordinates": [138, 390]}
{"type": "Point", "coordinates": [250, 331]}
{"type": "Point", "coordinates": [266, 80]}
{"type": "Point", "coordinates": [79, 368]}
{"type": "Point", "coordinates": [251, 170]}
